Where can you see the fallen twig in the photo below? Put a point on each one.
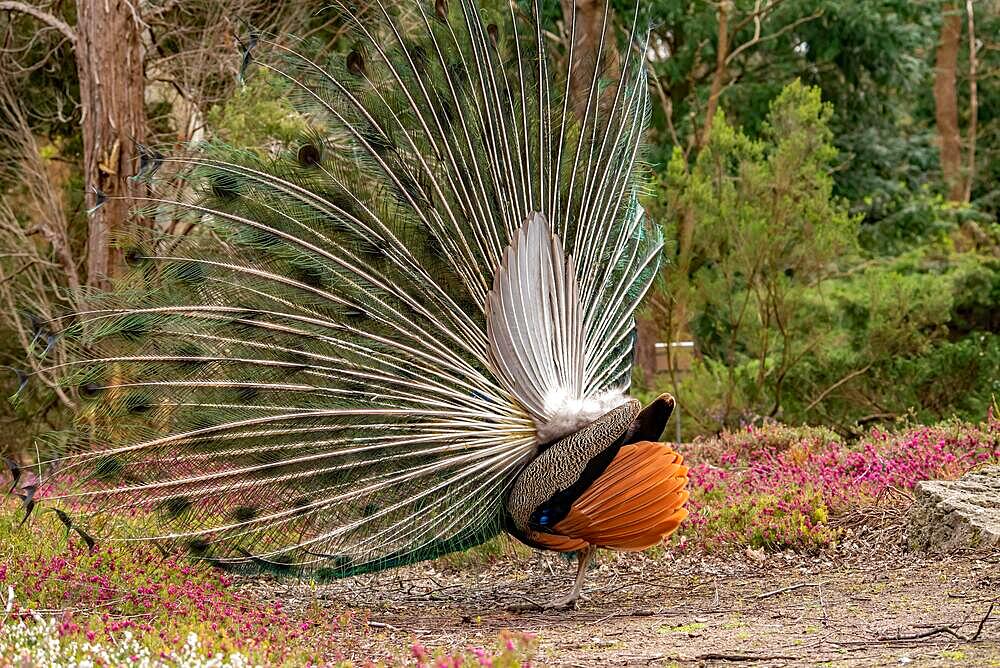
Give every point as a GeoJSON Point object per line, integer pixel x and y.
{"type": "Point", "coordinates": [532, 605]}
{"type": "Point", "coordinates": [743, 657]}
{"type": "Point", "coordinates": [945, 630]}
{"type": "Point", "coordinates": [822, 603]}
{"type": "Point", "coordinates": [775, 592]}
{"type": "Point", "coordinates": [383, 625]}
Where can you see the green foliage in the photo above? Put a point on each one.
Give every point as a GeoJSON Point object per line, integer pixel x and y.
{"type": "Point", "coordinates": [912, 339]}
{"type": "Point", "coordinates": [257, 114]}
{"type": "Point", "coordinates": [767, 234]}
{"type": "Point", "coordinates": [796, 320]}
{"type": "Point", "coordinates": [925, 217]}
{"type": "Point", "coordinates": [871, 59]}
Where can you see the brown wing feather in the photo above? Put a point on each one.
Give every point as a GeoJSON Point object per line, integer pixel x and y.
{"type": "Point", "coordinates": [635, 503]}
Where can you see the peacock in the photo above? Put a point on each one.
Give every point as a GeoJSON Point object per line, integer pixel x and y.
{"type": "Point", "coordinates": [408, 330]}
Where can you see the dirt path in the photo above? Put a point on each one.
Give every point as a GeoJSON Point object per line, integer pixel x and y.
{"type": "Point", "coordinates": [784, 610]}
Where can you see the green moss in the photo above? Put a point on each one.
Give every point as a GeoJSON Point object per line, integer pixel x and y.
{"type": "Point", "coordinates": [684, 628]}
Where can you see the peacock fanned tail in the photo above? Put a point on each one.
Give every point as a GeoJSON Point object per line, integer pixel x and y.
{"type": "Point", "coordinates": [338, 369]}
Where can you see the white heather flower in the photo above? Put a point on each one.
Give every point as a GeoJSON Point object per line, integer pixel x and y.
{"type": "Point", "coordinates": [37, 642]}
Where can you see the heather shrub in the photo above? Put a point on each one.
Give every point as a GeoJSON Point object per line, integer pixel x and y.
{"type": "Point", "coordinates": [126, 603]}
{"type": "Point", "coordinates": [802, 311]}
{"type": "Point", "coordinates": [98, 595]}
{"type": "Point", "coordinates": [779, 487]}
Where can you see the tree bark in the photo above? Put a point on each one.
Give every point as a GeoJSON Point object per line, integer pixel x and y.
{"type": "Point", "coordinates": [719, 76]}
{"type": "Point", "coordinates": [588, 21]}
{"type": "Point", "coordinates": [946, 102]}
{"type": "Point", "coordinates": [109, 62]}
{"type": "Point", "coordinates": [647, 332]}
{"type": "Point", "coordinates": [970, 171]}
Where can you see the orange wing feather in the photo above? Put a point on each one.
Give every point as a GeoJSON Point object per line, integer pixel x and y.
{"type": "Point", "coordinates": [633, 505]}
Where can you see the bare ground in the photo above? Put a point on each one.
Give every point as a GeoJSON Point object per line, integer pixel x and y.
{"type": "Point", "coordinates": [854, 609]}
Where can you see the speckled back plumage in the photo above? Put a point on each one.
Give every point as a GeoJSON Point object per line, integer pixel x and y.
{"type": "Point", "coordinates": [563, 464]}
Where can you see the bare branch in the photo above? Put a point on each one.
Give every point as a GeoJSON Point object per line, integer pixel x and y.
{"type": "Point", "coordinates": [758, 14]}
{"type": "Point", "coordinates": [718, 77]}
{"type": "Point", "coordinates": [44, 199]}
{"type": "Point", "coordinates": [757, 39]}
{"type": "Point", "coordinates": [970, 175]}
{"type": "Point", "coordinates": [44, 17]}
{"type": "Point", "coordinates": [823, 395]}
{"type": "Point", "coordinates": [668, 109]}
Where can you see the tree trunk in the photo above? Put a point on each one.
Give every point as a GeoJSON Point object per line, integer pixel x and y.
{"type": "Point", "coordinates": [588, 20]}
{"type": "Point", "coordinates": [647, 332]}
{"type": "Point", "coordinates": [970, 170]}
{"type": "Point", "coordinates": [109, 62]}
{"type": "Point", "coordinates": [719, 76]}
{"type": "Point", "coordinates": [946, 102]}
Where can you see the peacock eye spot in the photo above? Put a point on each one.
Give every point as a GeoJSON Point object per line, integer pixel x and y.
{"type": "Point", "coordinates": [356, 63]}
{"type": "Point", "coordinates": [134, 257]}
{"type": "Point", "coordinates": [418, 55]}
{"type": "Point", "coordinates": [199, 422]}
{"type": "Point", "coordinates": [247, 393]}
{"type": "Point", "coordinates": [225, 187]}
{"type": "Point", "coordinates": [198, 547]}
{"type": "Point", "coordinates": [175, 506]}
{"type": "Point", "coordinates": [458, 73]}
{"type": "Point", "coordinates": [376, 138]}
{"type": "Point", "coordinates": [295, 361]}
{"type": "Point", "coordinates": [137, 405]}
{"type": "Point", "coordinates": [191, 273]}
{"type": "Point", "coordinates": [108, 468]}
{"type": "Point", "coordinates": [302, 505]}
{"type": "Point", "coordinates": [133, 327]}
{"type": "Point", "coordinates": [309, 155]}
{"type": "Point", "coordinates": [91, 390]}
{"type": "Point", "coordinates": [244, 513]}
{"type": "Point", "coordinates": [310, 276]}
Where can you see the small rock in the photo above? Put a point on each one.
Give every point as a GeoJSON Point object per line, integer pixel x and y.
{"type": "Point", "coordinates": [950, 515]}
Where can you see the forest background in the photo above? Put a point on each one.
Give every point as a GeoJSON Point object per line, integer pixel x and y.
{"type": "Point", "coordinates": [825, 173]}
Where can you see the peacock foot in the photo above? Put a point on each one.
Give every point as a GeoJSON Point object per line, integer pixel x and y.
{"type": "Point", "coordinates": [567, 602]}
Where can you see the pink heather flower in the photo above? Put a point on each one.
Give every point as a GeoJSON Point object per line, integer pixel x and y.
{"type": "Point", "coordinates": [779, 485]}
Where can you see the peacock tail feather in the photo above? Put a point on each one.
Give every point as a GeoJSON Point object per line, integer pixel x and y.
{"type": "Point", "coordinates": [335, 371]}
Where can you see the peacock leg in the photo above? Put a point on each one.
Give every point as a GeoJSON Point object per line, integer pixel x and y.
{"type": "Point", "coordinates": [584, 558]}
